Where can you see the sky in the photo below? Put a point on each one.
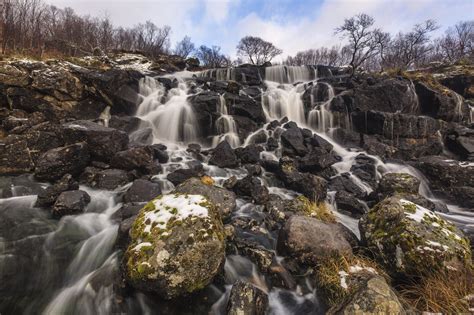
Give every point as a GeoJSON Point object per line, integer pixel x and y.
{"type": "Point", "coordinates": [292, 25]}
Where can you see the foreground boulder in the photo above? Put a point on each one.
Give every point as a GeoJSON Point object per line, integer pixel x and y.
{"type": "Point", "coordinates": [221, 198]}
{"type": "Point", "coordinates": [48, 196]}
{"type": "Point", "coordinates": [141, 191]}
{"type": "Point", "coordinates": [310, 240]}
{"type": "Point", "coordinates": [177, 245]}
{"type": "Point", "coordinates": [224, 156]}
{"type": "Point", "coordinates": [55, 163]}
{"type": "Point", "coordinates": [411, 240]}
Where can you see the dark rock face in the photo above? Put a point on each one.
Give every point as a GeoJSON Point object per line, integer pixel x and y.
{"type": "Point", "coordinates": [293, 142]}
{"type": "Point", "coordinates": [205, 106]}
{"type": "Point", "coordinates": [15, 158]}
{"type": "Point", "coordinates": [181, 175]}
{"type": "Point", "coordinates": [250, 154]}
{"type": "Point", "coordinates": [393, 183]}
{"type": "Point", "coordinates": [312, 186]}
{"type": "Point", "coordinates": [308, 240]}
{"type": "Point", "coordinates": [70, 202]}
{"type": "Point", "coordinates": [460, 140]}
{"type": "Point", "coordinates": [252, 187]}
{"type": "Point", "coordinates": [103, 142]}
{"type": "Point", "coordinates": [245, 106]}
{"type": "Point", "coordinates": [316, 161]}
{"type": "Point", "coordinates": [446, 105]}
{"type": "Point", "coordinates": [448, 179]}
{"type": "Point", "coordinates": [105, 179]}
{"type": "Point", "coordinates": [364, 168]}
{"type": "Point", "coordinates": [348, 203]}
{"type": "Point", "coordinates": [245, 298]}
{"type": "Point", "coordinates": [142, 191]}
{"type": "Point", "coordinates": [460, 83]}
{"type": "Point", "coordinates": [140, 158]}
{"type": "Point", "coordinates": [48, 196]}
{"type": "Point", "coordinates": [223, 156]}
{"type": "Point", "coordinates": [125, 123]}
{"type": "Point", "coordinates": [55, 163]}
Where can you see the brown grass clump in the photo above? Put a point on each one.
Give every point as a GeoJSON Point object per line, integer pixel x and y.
{"type": "Point", "coordinates": [318, 210]}
{"type": "Point", "coordinates": [329, 279]}
{"type": "Point", "coordinates": [441, 292]}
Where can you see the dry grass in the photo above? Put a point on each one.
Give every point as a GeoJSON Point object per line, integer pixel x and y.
{"type": "Point", "coordinates": [208, 180]}
{"type": "Point", "coordinates": [329, 279]}
{"type": "Point", "coordinates": [317, 210]}
{"type": "Point", "coordinates": [442, 292]}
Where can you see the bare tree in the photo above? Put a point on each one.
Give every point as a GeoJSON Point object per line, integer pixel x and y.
{"type": "Point", "coordinates": [362, 44]}
{"type": "Point", "coordinates": [257, 50]}
{"type": "Point", "coordinates": [458, 41]}
{"type": "Point", "coordinates": [212, 57]}
{"type": "Point", "coordinates": [184, 47]}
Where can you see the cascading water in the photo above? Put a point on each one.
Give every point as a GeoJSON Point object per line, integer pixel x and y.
{"type": "Point", "coordinates": [320, 117]}
{"type": "Point", "coordinates": [226, 127]}
{"type": "Point", "coordinates": [283, 101]}
{"type": "Point", "coordinates": [290, 74]}
{"type": "Point", "coordinates": [169, 114]}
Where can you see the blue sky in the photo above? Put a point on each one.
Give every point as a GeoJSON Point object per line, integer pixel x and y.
{"type": "Point", "coordinates": [292, 25]}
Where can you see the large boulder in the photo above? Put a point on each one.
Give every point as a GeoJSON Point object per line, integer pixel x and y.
{"type": "Point", "coordinates": [221, 198]}
{"type": "Point", "coordinates": [293, 142]}
{"type": "Point", "coordinates": [245, 298]}
{"type": "Point", "coordinates": [223, 156]}
{"type": "Point", "coordinates": [398, 183]}
{"type": "Point", "coordinates": [70, 202]}
{"type": "Point", "coordinates": [309, 240]}
{"type": "Point", "coordinates": [460, 140]}
{"type": "Point", "coordinates": [411, 240]}
{"type": "Point", "coordinates": [251, 186]}
{"type": "Point", "coordinates": [246, 106]}
{"type": "Point", "coordinates": [177, 246]}
{"type": "Point", "coordinates": [105, 179]}
{"type": "Point", "coordinates": [15, 158]}
{"type": "Point", "coordinates": [48, 196]}
{"type": "Point", "coordinates": [55, 163]}
{"type": "Point", "coordinates": [103, 142]}
{"type": "Point", "coordinates": [140, 158]}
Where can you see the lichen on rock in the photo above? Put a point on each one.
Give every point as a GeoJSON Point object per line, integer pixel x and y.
{"type": "Point", "coordinates": [177, 245]}
{"type": "Point", "coordinates": [411, 240]}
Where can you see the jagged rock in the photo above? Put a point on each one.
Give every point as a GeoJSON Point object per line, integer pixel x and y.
{"type": "Point", "coordinates": [245, 298]}
{"type": "Point", "coordinates": [250, 154]}
{"type": "Point", "coordinates": [223, 156]}
{"type": "Point", "coordinates": [348, 203]}
{"type": "Point", "coordinates": [105, 178]}
{"type": "Point", "coordinates": [313, 187]}
{"type": "Point", "coordinates": [48, 196]}
{"type": "Point", "coordinates": [246, 106]}
{"type": "Point", "coordinates": [159, 151]}
{"type": "Point", "coordinates": [205, 106]}
{"type": "Point", "coordinates": [460, 140]}
{"type": "Point", "coordinates": [344, 182]}
{"type": "Point", "coordinates": [364, 168]}
{"type": "Point", "coordinates": [103, 142]}
{"type": "Point", "coordinates": [411, 240]}
{"type": "Point", "coordinates": [448, 178]}
{"type": "Point", "coordinates": [142, 190]}
{"type": "Point", "coordinates": [316, 161]}
{"type": "Point", "coordinates": [15, 158]}
{"type": "Point", "coordinates": [223, 199]}
{"type": "Point", "coordinates": [252, 187]}
{"type": "Point", "coordinates": [292, 141]}
{"type": "Point", "coordinates": [55, 163]}
{"type": "Point", "coordinates": [140, 158]}
{"type": "Point", "coordinates": [175, 259]}
{"type": "Point", "coordinates": [70, 202]}
{"type": "Point", "coordinates": [126, 124]}
{"type": "Point", "coordinates": [309, 240]}
{"type": "Point", "coordinates": [398, 183]}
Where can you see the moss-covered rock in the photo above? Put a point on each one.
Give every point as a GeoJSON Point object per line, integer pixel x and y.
{"type": "Point", "coordinates": [355, 285]}
{"type": "Point", "coordinates": [398, 183]}
{"type": "Point", "coordinates": [177, 245]}
{"type": "Point", "coordinates": [411, 240]}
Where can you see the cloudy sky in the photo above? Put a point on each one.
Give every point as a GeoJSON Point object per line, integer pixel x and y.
{"type": "Point", "coordinates": [292, 25]}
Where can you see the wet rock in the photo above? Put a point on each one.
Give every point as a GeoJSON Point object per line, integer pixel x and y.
{"type": "Point", "coordinates": [272, 144]}
{"type": "Point", "coordinates": [245, 298]}
{"type": "Point", "coordinates": [313, 187]}
{"type": "Point", "coordinates": [309, 240]}
{"type": "Point", "coordinates": [246, 106]}
{"type": "Point", "coordinates": [411, 240]}
{"type": "Point", "coordinates": [205, 106]}
{"type": "Point", "coordinates": [127, 124]}
{"type": "Point", "coordinates": [140, 158]}
{"type": "Point", "coordinates": [250, 154]}
{"type": "Point", "coordinates": [55, 163]}
{"type": "Point", "coordinates": [460, 140]}
{"type": "Point", "coordinates": [222, 199]}
{"type": "Point", "coordinates": [252, 187]}
{"type": "Point", "coordinates": [317, 141]}
{"type": "Point", "coordinates": [398, 183]}
{"type": "Point", "coordinates": [172, 259]}
{"type": "Point", "coordinates": [142, 136]}
{"type": "Point", "coordinates": [253, 169]}
{"type": "Point", "coordinates": [142, 190]}
{"type": "Point", "coordinates": [245, 126]}
{"type": "Point", "coordinates": [105, 178]}
{"type": "Point", "coordinates": [364, 168]}
{"type": "Point", "coordinates": [292, 141]}
{"type": "Point", "coordinates": [223, 156]}
{"type": "Point", "coordinates": [446, 177]}
{"type": "Point", "coordinates": [48, 196]}
{"type": "Point", "coordinates": [15, 158]}
{"type": "Point", "coordinates": [181, 175]}
{"type": "Point", "coordinates": [316, 161]}
{"type": "Point", "coordinates": [348, 203]}
{"type": "Point", "coordinates": [159, 151]}
{"type": "Point", "coordinates": [70, 202]}
{"type": "Point", "coordinates": [103, 142]}
{"type": "Point", "coordinates": [345, 183]}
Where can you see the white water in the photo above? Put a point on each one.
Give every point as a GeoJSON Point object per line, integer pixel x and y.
{"type": "Point", "coordinates": [319, 117]}
{"type": "Point", "coordinates": [290, 74]}
{"type": "Point", "coordinates": [226, 127]}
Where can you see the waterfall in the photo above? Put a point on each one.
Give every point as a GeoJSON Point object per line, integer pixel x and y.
{"type": "Point", "coordinates": [169, 113]}
{"type": "Point", "coordinates": [320, 117]}
{"type": "Point", "coordinates": [220, 74]}
{"type": "Point", "coordinates": [281, 101]}
{"type": "Point", "coordinates": [290, 74]}
{"type": "Point", "coordinates": [226, 127]}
